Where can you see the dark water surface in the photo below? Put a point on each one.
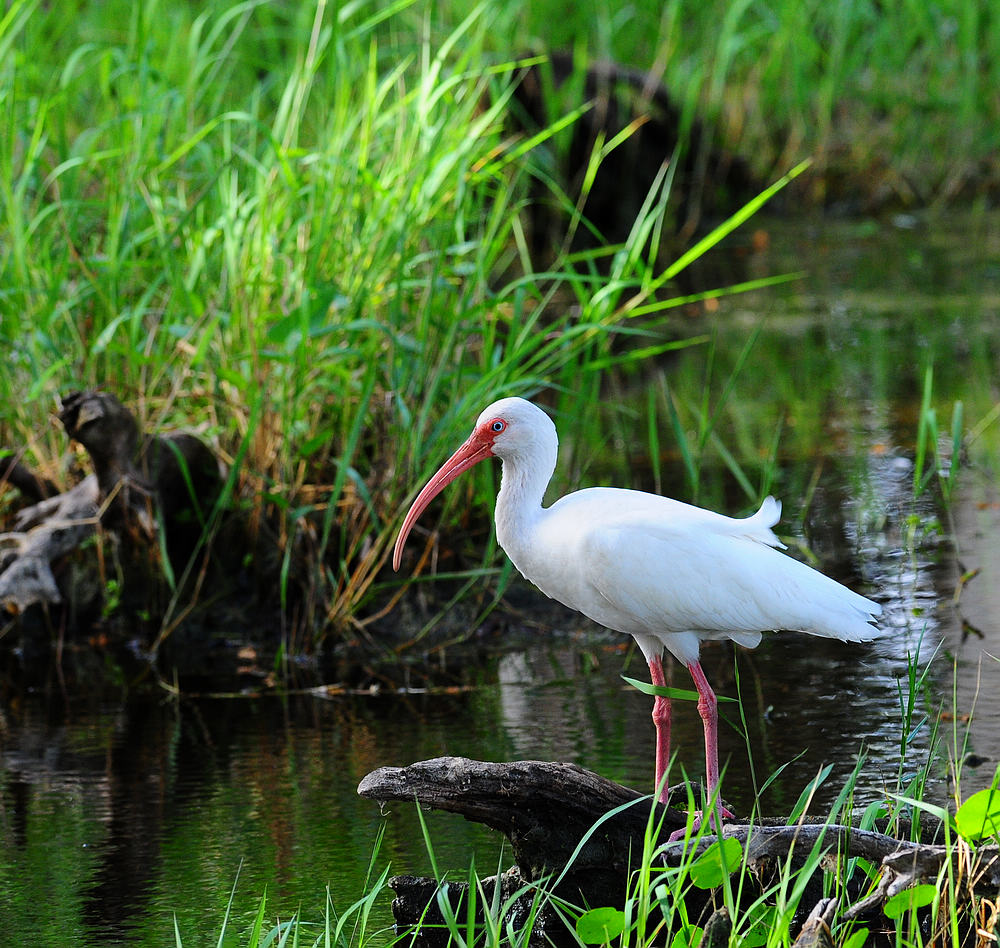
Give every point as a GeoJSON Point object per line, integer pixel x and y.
{"type": "Point", "coordinates": [116, 818]}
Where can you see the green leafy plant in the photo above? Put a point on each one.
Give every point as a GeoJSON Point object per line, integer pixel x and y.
{"type": "Point", "coordinates": [978, 818]}
{"type": "Point", "coordinates": [932, 455]}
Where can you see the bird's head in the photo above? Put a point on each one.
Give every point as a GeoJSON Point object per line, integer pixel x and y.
{"type": "Point", "coordinates": [512, 429]}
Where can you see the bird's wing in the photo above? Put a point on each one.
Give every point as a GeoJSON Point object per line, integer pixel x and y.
{"type": "Point", "coordinates": [661, 577]}
{"type": "Point", "coordinates": [666, 578]}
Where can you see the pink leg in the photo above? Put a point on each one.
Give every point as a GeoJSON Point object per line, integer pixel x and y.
{"type": "Point", "coordinates": [661, 721]}
{"type": "Point", "coordinates": [708, 709]}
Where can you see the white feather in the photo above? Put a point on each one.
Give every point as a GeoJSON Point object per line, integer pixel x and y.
{"type": "Point", "coordinates": [666, 572]}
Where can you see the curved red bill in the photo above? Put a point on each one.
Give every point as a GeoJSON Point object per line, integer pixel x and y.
{"type": "Point", "coordinates": [474, 450]}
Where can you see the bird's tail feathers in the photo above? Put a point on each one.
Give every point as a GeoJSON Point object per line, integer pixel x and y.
{"type": "Point", "coordinates": [852, 621]}
{"type": "Point", "coordinates": [859, 631]}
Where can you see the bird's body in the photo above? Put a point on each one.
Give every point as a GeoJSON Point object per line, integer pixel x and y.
{"type": "Point", "coordinates": [659, 569]}
{"type": "Point", "coordinates": [667, 573]}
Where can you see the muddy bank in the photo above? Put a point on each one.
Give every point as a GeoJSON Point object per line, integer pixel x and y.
{"type": "Point", "coordinates": [146, 573]}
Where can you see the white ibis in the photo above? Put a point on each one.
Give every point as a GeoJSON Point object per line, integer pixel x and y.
{"type": "Point", "coordinates": [669, 574]}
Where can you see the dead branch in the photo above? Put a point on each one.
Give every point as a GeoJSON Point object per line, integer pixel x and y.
{"type": "Point", "coordinates": [46, 532]}
{"type": "Point", "coordinates": [571, 825]}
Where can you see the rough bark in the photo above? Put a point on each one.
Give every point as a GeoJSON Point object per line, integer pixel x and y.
{"type": "Point", "coordinates": [135, 479]}
{"type": "Point", "coordinates": [584, 832]}
{"type": "Point", "coordinates": [43, 533]}
{"type": "Point", "coordinates": [545, 809]}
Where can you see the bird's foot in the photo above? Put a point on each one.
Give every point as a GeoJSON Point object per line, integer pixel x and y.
{"type": "Point", "coordinates": [697, 817]}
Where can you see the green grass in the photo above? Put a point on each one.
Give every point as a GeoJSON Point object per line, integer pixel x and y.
{"type": "Point", "coordinates": [299, 230]}
{"type": "Point", "coordinates": [762, 911]}
{"type": "Point", "coordinates": [284, 227]}
{"type": "Point", "coordinates": [898, 94]}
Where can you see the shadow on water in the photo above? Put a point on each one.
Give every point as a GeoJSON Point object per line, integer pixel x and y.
{"type": "Point", "coordinates": [138, 810]}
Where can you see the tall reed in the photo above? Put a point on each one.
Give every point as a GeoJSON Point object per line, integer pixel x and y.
{"type": "Point", "coordinates": [285, 227]}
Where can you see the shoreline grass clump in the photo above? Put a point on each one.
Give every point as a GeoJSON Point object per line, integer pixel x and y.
{"type": "Point", "coordinates": [300, 231]}
{"type": "Point", "coordinates": [704, 889]}
{"type": "Point", "coordinates": [283, 228]}
{"type": "Point", "coordinates": [258, 222]}
{"type": "Point", "coordinates": [710, 890]}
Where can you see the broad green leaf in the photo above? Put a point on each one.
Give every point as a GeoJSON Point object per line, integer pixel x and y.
{"type": "Point", "coordinates": [689, 937]}
{"type": "Point", "coordinates": [914, 898]}
{"type": "Point", "coordinates": [599, 926]}
{"type": "Point", "coordinates": [979, 816]}
{"type": "Point", "coordinates": [858, 939]}
{"type": "Point", "coordinates": [761, 926]}
{"type": "Point", "coordinates": [715, 863]}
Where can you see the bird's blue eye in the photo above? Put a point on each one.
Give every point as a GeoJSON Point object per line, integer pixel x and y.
{"type": "Point", "coordinates": [498, 426]}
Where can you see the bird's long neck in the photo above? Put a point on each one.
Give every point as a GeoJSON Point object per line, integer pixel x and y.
{"type": "Point", "coordinates": [519, 503]}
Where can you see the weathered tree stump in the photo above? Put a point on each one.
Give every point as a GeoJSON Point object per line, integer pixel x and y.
{"type": "Point", "coordinates": [545, 810]}
{"type": "Point", "coordinates": [44, 533]}
{"type": "Point", "coordinates": [581, 836]}
{"type": "Point", "coordinates": [174, 476]}
{"type": "Point", "coordinates": [137, 481]}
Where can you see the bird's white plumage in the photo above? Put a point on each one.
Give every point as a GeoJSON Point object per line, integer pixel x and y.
{"type": "Point", "coordinates": [669, 574]}
{"type": "Point", "coordinates": [666, 572]}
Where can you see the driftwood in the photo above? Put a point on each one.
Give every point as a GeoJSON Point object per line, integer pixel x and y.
{"type": "Point", "coordinates": [43, 533]}
{"type": "Point", "coordinates": [815, 931]}
{"type": "Point", "coordinates": [546, 810]}
{"type": "Point", "coordinates": [138, 476]}
{"type": "Point", "coordinates": [136, 479]}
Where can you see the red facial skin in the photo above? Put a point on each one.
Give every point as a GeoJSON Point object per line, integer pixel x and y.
{"type": "Point", "coordinates": [476, 449]}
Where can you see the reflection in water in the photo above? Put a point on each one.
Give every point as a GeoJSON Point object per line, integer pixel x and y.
{"type": "Point", "coordinates": [136, 813]}
{"type": "Point", "coordinates": [140, 811]}
{"type": "Point", "coordinates": [133, 800]}
{"type": "Point", "coordinates": [973, 633]}
{"type": "Point", "coordinates": [148, 809]}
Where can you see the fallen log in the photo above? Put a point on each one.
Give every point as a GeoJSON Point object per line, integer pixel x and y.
{"type": "Point", "coordinates": [544, 809]}
{"type": "Point", "coordinates": [580, 837]}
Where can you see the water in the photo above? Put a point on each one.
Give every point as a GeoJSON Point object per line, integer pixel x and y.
{"type": "Point", "coordinates": [119, 816]}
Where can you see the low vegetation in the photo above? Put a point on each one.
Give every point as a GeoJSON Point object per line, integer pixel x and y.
{"type": "Point", "coordinates": [954, 908]}
{"type": "Point", "coordinates": [300, 230]}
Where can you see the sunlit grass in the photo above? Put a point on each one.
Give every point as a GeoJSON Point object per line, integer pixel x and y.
{"type": "Point", "coordinates": [298, 230]}
{"type": "Point", "coordinates": [285, 228]}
